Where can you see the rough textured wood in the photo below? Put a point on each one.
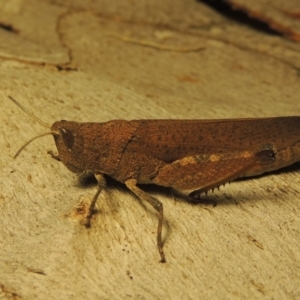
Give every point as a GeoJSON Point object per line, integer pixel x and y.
{"type": "Point", "coordinates": [246, 247]}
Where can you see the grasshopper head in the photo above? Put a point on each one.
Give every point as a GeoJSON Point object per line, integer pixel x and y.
{"type": "Point", "coordinates": [69, 144]}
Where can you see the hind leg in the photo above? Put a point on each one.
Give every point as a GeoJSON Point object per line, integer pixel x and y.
{"type": "Point", "coordinates": [202, 173]}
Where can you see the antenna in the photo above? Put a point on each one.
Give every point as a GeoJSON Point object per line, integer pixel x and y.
{"type": "Point", "coordinates": [31, 140]}
{"type": "Point", "coordinates": [36, 119]}
{"type": "Point", "coordinates": [28, 112]}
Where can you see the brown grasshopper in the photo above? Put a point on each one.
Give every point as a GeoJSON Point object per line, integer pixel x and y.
{"type": "Point", "coordinates": [186, 155]}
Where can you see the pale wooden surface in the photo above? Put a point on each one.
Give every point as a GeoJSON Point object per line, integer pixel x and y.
{"type": "Point", "coordinates": [246, 247]}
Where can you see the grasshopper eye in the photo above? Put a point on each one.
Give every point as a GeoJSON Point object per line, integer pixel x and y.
{"type": "Point", "coordinates": [68, 138]}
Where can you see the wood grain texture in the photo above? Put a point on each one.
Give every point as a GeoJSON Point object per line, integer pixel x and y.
{"type": "Point", "coordinates": [246, 247]}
